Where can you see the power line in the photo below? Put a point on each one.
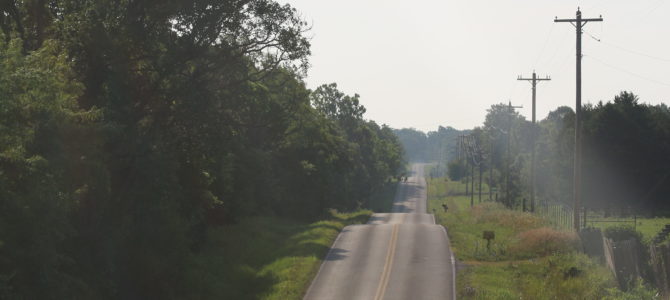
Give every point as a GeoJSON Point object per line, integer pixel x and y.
{"type": "Point", "coordinates": [628, 72]}
{"type": "Point", "coordinates": [544, 46]}
{"type": "Point", "coordinates": [627, 50]}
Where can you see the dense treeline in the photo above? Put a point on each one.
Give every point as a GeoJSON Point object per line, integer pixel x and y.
{"type": "Point", "coordinates": [434, 146]}
{"type": "Point", "coordinates": [128, 128]}
{"type": "Point", "coordinates": [625, 163]}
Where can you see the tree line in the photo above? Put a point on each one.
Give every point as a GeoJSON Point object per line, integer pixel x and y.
{"type": "Point", "coordinates": [625, 155]}
{"type": "Point", "coordinates": [434, 146]}
{"type": "Point", "coordinates": [129, 128]}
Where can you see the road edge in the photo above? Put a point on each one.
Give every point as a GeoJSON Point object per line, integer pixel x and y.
{"type": "Point", "coordinates": [453, 263]}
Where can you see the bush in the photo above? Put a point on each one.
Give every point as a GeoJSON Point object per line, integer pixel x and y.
{"type": "Point", "coordinates": [639, 291]}
{"type": "Point", "coordinates": [623, 233]}
{"type": "Point", "coordinates": [542, 242]}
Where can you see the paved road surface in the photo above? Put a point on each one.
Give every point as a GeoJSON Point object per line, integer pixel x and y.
{"type": "Point", "coordinates": [399, 255]}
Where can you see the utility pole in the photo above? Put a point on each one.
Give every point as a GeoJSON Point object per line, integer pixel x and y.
{"type": "Point", "coordinates": [491, 141]}
{"type": "Point", "coordinates": [533, 80]}
{"type": "Point", "coordinates": [579, 24]}
{"type": "Point", "coordinates": [509, 134]}
{"type": "Point", "coordinates": [475, 155]}
{"type": "Point", "coordinates": [467, 162]}
{"type": "Point", "coordinates": [472, 187]}
{"type": "Point", "coordinates": [481, 161]}
{"type": "Point", "coordinates": [470, 152]}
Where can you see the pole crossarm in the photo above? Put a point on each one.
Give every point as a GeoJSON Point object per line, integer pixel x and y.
{"type": "Point", "coordinates": [584, 21]}
{"type": "Point", "coordinates": [534, 81]}
{"type": "Point", "coordinates": [579, 23]}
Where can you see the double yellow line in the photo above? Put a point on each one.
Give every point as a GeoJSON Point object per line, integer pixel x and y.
{"type": "Point", "coordinates": [386, 274]}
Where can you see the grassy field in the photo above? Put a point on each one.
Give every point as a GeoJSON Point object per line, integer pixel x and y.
{"type": "Point", "coordinates": [266, 258]}
{"type": "Point", "coordinates": [527, 259]}
{"type": "Point", "coordinates": [649, 227]}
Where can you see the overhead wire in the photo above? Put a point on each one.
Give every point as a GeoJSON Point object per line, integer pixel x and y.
{"type": "Point", "coordinates": [551, 62]}
{"type": "Point", "coordinates": [627, 50]}
{"type": "Point", "coordinates": [628, 72]}
{"type": "Point", "coordinates": [546, 41]}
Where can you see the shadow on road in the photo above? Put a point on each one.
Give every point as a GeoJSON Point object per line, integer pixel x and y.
{"type": "Point", "coordinates": [336, 254]}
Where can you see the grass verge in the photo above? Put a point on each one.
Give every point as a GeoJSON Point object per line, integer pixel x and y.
{"type": "Point", "coordinates": [526, 260]}
{"type": "Point", "coordinates": [648, 227]}
{"type": "Point", "coordinates": [265, 257]}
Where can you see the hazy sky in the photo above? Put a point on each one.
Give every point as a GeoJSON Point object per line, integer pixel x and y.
{"type": "Point", "coordinates": [425, 63]}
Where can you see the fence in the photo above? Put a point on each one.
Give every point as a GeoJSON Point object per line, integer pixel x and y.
{"type": "Point", "coordinates": [594, 218]}
{"type": "Point", "coordinates": [622, 257]}
{"type": "Point", "coordinates": [660, 265]}
{"type": "Point", "coordinates": [558, 215]}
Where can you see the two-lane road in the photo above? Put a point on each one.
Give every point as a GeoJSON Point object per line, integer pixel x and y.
{"type": "Point", "coordinates": [399, 255]}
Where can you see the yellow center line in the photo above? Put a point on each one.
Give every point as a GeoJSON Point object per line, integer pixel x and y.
{"type": "Point", "coordinates": [386, 274]}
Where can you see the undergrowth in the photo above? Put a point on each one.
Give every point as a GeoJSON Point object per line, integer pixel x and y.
{"type": "Point", "coordinates": [265, 257]}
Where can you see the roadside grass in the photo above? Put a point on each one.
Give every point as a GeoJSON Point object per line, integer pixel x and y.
{"type": "Point", "coordinates": [466, 225]}
{"type": "Point", "coordinates": [265, 257]}
{"type": "Point", "coordinates": [527, 259]}
{"type": "Point", "coordinates": [542, 278]}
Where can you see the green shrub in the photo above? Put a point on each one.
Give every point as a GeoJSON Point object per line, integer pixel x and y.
{"type": "Point", "coordinates": [622, 233]}
{"type": "Point", "coordinates": [639, 291]}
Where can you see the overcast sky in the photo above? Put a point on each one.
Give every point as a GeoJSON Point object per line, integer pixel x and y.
{"type": "Point", "coordinates": [425, 63]}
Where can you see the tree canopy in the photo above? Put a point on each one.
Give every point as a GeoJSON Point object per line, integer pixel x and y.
{"type": "Point", "coordinates": [130, 128]}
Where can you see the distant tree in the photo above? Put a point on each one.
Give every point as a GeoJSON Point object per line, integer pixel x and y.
{"type": "Point", "coordinates": [414, 142]}
{"type": "Point", "coordinates": [456, 170]}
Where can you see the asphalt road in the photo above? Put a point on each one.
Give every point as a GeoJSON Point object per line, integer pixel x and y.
{"type": "Point", "coordinates": [398, 255]}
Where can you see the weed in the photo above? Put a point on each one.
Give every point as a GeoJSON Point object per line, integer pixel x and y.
{"type": "Point", "coordinates": [542, 242]}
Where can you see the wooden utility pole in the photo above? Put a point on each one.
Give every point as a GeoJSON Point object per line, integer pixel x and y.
{"type": "Point", "coordinates": [579, 23]}
{"type": "Point", "coordinates": [533, 80]}
{"type": "Point", "coordinates": [491, 168]}
{"type": "Point", "coordinates": [481, 161]}
{"type": "Point", "coordinates": [472, 186]}
{"type": "Point", "coordinates": [467, 164]}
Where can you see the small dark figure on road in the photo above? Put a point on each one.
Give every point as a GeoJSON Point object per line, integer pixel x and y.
{"type": "Point", "coordinates": [445, 207]}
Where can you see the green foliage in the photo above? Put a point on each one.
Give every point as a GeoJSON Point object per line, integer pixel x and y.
{"type": "Point", "coordinates": [264, 257]}
{"type": "Point", "coordinates": [37, 111]}
{"type": "Point", "coordinates": [438, 146]}
{"type": "Point", "coordinates": [130, 129]}
{"type": "Point", "coordinates": [624, 154]}
{"type": "Point", "coordinates": [647, 227]}
{"type": "Point", "coordinates": [456, 170]}
{"type": "Point", "coordinates": [537, 279]}
{"type": "Point", "coordinates": [639, 291]}
{"type": "Point", "coordinates": [526, 261]}
{"type": "Point", "coordinates": [623, 233]}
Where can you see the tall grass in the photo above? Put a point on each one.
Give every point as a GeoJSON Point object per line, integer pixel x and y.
{"type": "Point", "coordinates": [527, 260]}
{"type": "Point", "coordinates": [544, 241]}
